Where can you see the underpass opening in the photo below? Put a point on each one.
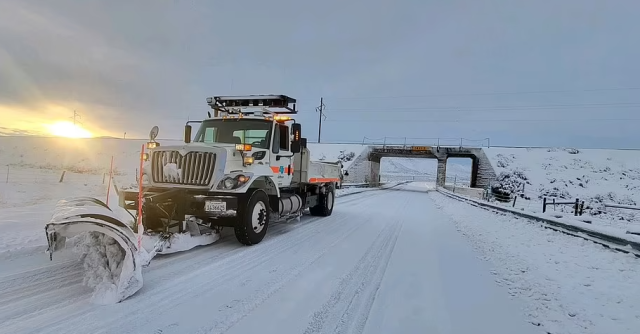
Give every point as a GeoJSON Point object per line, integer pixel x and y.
{"type": "Point", "coordinates": [421, 170]}
{"type": "Point", "coordinates": [459, 172]}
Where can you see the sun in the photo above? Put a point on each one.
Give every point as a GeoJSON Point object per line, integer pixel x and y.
{"type": "Point", "coordinates": [68, 130]}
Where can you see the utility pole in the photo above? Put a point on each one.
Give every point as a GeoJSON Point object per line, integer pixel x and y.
{"type": "Point", "coordinates": [320, 109]}
{"type": "Point", "coordinates": [76, 115]}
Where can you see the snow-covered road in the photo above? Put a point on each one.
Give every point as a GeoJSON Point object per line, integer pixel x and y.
{"type": "Point", "coordinates": [384, 262]}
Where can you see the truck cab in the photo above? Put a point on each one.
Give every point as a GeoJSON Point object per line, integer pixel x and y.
{"type": "Point", "coordinates": [245, 166]}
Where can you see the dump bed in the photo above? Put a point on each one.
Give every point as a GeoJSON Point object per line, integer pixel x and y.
{"type": "Point", "coordinates": [307, 171]}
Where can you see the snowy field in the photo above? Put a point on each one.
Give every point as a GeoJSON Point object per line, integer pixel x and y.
{"type": "Point", "coordinates": [596, 176]}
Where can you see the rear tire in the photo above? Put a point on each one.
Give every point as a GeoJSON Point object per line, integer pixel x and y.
{"type": "Point", "coordinates": [325, 205]}
{"type": "Point", "coordinates": [253, 219]}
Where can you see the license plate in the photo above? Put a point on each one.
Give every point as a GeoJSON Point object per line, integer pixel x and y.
{"type": "Point", "coordinates": [215, 206]}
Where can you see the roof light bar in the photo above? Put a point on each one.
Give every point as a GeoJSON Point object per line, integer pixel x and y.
{"type": "Point", "coordinates": [236, 104]}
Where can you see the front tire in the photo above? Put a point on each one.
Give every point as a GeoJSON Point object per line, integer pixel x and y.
{"type": "Point", "coordinates": [325, 203]}
{"type": "Point", "coordinates": [254, 219]}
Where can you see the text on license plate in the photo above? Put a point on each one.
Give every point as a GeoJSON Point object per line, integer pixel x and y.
{"type": "Point", "coordinates": [215, 206]}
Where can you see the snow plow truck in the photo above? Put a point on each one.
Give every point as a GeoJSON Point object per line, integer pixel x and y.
{"type": "Point", "coordinates": [246, 167]}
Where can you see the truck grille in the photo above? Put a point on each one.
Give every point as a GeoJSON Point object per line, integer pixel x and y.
{"type": "Point", "coordinates": [193, 169]}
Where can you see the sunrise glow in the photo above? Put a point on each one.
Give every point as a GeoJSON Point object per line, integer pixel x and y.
{"type": "Point", "coordinates": [68, 130]}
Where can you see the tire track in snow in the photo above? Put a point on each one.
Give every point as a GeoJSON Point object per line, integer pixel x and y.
{"type": "Point", "coordinates": [56, 307]}
{"type": "Point", "coordinates": [178, 285]}
{"type": "Point", "coordinates": [348, 307]}
{"type": "Point", "coordinates": [271, 287]}
{"type": "Point", "coordinates": [250, 260]}
{"type": "Point", "coordinates": [26, 293]}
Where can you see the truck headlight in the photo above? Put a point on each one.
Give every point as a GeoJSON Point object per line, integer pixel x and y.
{"type": "Point", "coordinates": [231, 182]}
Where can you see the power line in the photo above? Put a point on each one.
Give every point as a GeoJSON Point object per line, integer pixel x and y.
{"type": "Point", "coordinates": [495, 108]}
{"type": "Point", "coordinates": [486, 93]}
{"type": "Point", "coordinates": [485, 120]}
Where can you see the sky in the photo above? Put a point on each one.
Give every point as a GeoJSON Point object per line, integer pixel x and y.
{"type": "Point", "coordinates": [520, 73]}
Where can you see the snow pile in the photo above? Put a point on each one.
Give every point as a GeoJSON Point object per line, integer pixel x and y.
{"type": "Point", "coordinates": [596, 176]}
{"type": "Point", "coordinates": [109, 269]}
{"type": "Point", "coordinates": [570, 285]}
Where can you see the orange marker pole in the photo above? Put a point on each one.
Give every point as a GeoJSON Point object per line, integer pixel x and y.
{"type": "Point", "coordinates": [140, 200]}
{"type": "Point", "coordinates": [110, 176]}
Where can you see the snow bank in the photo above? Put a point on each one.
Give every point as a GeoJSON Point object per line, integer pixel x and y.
{"type": "Point", "coordinates": [571, 285]}
{"type": "Point", "coordinates": [593, 175]}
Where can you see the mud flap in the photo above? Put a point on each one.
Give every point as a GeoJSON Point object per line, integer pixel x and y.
{"type": "Point", "coordinates": [83, 214]}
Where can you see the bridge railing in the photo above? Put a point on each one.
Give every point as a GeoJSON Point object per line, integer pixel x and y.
{"type": "Point", "coordinates": [434, 142]}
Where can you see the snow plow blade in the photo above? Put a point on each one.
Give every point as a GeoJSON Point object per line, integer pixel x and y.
{"type": "Point", "coordinates": [115, 274]}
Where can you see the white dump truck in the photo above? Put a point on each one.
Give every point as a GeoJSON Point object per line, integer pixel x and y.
{"type": "Point", "coordinates": [246, 166]}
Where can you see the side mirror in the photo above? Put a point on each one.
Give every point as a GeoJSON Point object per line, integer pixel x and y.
{"type": "Point", "coordinates": [187, 134]}
{"type": "Point", "coordinates": [297, 139]}
{"type": "Point", "coordinates": [153, 134]}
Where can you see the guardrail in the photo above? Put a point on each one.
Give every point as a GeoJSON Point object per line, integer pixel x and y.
{"type": "Point", "coordinates": [435, 142]}
{"type": "Point", "coordinates": [620, 206]}
{"type": "Point", "coordinates": [625, 243]}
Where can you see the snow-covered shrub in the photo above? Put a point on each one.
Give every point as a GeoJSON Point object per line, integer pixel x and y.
{"type": "Point", "coordinates": [509, 183]}
{"type": "Point", "coordinates": [346, 156]}
{"type": "Point", "coordinates": [554, 192]}
{"type": "Point", "coordinates": [572, 150]}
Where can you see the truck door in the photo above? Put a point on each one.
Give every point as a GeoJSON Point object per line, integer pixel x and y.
{"type": "Point", "coordinates": [282, 158]}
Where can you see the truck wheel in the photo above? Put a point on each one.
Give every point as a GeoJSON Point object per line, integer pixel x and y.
{"type": "Point", "coordinates": [254, 219]}
{"type": "Point", "coordinates": [325, 203]}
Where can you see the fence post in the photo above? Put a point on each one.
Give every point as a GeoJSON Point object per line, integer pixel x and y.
{"type": "Point", "coordinates": [110, 177]}
{"type": "Point", "coordinates": [455, 181]}
{"type": "Point", "coordinates": [554, 204]}
{"type": "Point", "coordinates": [515, 197]}
{"type": "Point", "coordinates": [581, 208]}
{"type": "Point", "coordinates": [576, 207]}
{"type": "Point", "coordinates": [544, 204]}
{"type": "Point", "coordinates": [7, 180]}
{"type": "Point", "coordinates": [62, 176]}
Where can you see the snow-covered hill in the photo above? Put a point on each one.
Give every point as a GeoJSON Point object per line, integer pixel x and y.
{"type": "Point", "coordinates": [596, 176]}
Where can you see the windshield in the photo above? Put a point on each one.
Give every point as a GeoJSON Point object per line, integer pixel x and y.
{"type": "Point", "coordinates": [232, 131]}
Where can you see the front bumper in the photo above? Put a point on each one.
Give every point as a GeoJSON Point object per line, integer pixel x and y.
{"type": "Point", "coordinates": [201, 204]}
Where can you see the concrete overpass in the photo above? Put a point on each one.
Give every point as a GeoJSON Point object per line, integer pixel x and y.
{"type": "Point", "coordinates": [482, 172]}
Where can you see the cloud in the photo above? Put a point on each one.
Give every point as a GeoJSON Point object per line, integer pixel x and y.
{"type": "Point", "coordinates": [126, 66]}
